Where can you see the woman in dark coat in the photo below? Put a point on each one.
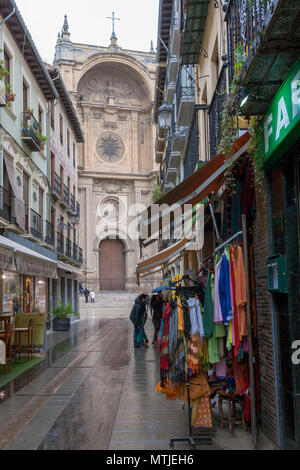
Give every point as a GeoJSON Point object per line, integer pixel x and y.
{"type": "Point", "coordinates": [137, 316]}
{"type": "Point", "coordinates": [157, 306]}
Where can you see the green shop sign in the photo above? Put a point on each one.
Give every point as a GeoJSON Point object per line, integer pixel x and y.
{"type": "Point", "coordinates": [281, 124]}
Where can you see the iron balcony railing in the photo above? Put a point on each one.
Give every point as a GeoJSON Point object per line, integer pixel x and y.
{"type": "Point", "coordinates": [80, 255]}
{"type": "Point", "coordinates": [56, 184]}
{"type": "Point", "coordinates": [78, 209]}
{"type": "Point", "coordinates": [36, 224]}
{"type": "Point", "coordinates": [75, 252]}
{"type": "Point", "coordinates": [68, 248]}
{"type": "Point", "coordinates": [168, 153]}
{"type": "Point", "coordinates": [65, 195]}
{"type": "Point", "coordinates": [72, 203]}
{"type": "Point", "coordinates": [60, 243]}
{"type": "Point", "coordinates": [49, 238]}
{"type": "Point", "coordinates": [215, 112]}
{"type": "Point", "coordinates": [192, 153]}
{"type": "Point", "coordinates": [31, 131]}
{"type": "Point", "coordinates": [245, 23]}
{"type": "Point", "coordinates": [6, 204]}
{"type": "Point", "coordinates": [183, 91]}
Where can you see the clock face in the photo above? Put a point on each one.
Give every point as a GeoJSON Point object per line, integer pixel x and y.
{"type": "Point", "coordinates": [110, 147]}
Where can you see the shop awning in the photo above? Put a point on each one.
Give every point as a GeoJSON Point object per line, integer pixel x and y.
{"type": "Point", "coordinates": [205, 181]}
{"type": "Point", "coordinates": [30, 262]}
{"type": "Point", "coordinates": [7, 262]}
{"type": "Point", "coordinates": [68, 268]}
{"type": "Point", "coordinates": [196, 15]}
{"type": "Point", "coordinates": [163, 257]}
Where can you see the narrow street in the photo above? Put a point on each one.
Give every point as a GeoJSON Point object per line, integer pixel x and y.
{"type": "Point", "coordinates": [94, 392]}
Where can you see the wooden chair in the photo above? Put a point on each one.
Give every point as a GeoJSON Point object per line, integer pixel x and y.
{"type": "Point", "coordinates": [28, 332]}
{"type": "Point", "coordinates": [232, 399]}
{"type": "Point", "coordinates": [6, 335]}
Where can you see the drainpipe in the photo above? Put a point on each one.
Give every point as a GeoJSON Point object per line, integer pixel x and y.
{"type": "Point", "coordinates": [1, 149]}
{"type": "Point", "coordinates": [49, 204]}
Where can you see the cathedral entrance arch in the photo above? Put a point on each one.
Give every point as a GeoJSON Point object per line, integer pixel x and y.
{"type": "Point", "coordinates": [112, 270]}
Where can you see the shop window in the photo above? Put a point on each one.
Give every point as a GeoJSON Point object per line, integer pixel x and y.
{"type": "Point", "coordinates": [40, 297]}
{"type": "Point", "coordinates": [12, 293]}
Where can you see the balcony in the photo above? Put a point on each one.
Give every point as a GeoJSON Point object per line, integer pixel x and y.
{"type": "Point", "coordinates": [68, 248]}
{"type": "Point", "coordinates": [179, 138]}
{"type": "Point", "coordinates": [72, 203]}
{"type": "Point", "coordinates": [30, 131]}
{"type": "Point", "coordinates": [56, 186]}
{"type": "Point", "coordinates": [267, 33]}
{"type": "Point", "coordinates": [36, 225]}
{"type": "Point", "coordinates": [60, 244]}
{"type": "Point", "coordinates": [80, 256]}
{"type": "Point", "coordinates": [75, 252]}
{"type": "Point", "coordinates": [185, 99]}
{"type": "Point", "coordinates": [78, 209]}
{"type": "Point", "coordinates": [175, 34]}
{"type": "Point", "coordinates": [49, 238]}
{"type": "Point", "coordinates": [170, 92]}
{"type": "Point", "coordinates": [66, 195]}
{"type": "Point", "coordinates": [6, 204]}
{"type": "Point", "coordinates": [171, 176]}
{"type": "Point", "coordinates": [215, 113]}
{"type": "Point", "coordinates": [196, 14]}
{"type": "Point", "coordinates": [172, 70]}
{"type": "Point", "coordinates": [192, 153]}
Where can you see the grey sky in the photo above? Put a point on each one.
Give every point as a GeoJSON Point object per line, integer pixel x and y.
{"type": "Point", "coordinates": [88, 23]}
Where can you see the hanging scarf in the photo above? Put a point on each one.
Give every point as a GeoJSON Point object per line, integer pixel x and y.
{"type": "Point", "coordinates": [208, 322]}
{"type": "Point", "coordinates": [195, 317]}
{"type": "Point", "coordinates": [164, 347]}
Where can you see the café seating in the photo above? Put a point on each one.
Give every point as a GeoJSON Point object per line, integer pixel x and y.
{"type": "Point", "coordinates": [6, 335]}
{"type": "Point", "coordinates": [27, 345]}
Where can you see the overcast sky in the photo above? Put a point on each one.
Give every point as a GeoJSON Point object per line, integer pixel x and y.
{"type": "Point", "coordinates": [88, 23]}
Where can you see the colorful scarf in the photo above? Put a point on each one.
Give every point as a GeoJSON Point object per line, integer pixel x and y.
{"type": "Point", "coordinates": [164, 346]}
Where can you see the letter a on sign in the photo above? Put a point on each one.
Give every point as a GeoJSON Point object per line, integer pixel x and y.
{"type": "Point", "coordinates": [283, 117]}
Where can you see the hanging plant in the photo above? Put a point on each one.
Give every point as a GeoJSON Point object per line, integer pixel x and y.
{"type": "Point", "coordinates": [157, 193]}
{"type": "Point", "coordinates": [255, 151]}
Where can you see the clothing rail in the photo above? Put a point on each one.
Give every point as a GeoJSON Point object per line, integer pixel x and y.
{"type": "Point", "coordinates": [228, 241]}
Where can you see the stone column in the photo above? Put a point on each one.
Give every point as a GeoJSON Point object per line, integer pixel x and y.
{"type": "Point", "coordinates": [135, 142]}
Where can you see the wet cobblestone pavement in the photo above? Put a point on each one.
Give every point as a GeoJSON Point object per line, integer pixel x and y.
{"type": "Point", "coordinates": [95, 392]}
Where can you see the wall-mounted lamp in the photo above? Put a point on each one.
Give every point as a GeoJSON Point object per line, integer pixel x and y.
{"type": "Point", "coordinates": [164, 117]}
{"type": "Point", "coordinates": [74, 221]}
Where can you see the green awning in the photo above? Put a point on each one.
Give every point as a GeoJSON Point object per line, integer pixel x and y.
{"type": "Point", "coordinates": [196, 14]}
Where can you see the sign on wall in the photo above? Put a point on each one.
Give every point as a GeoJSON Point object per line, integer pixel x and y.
{"type": "Point", "coordinates": [281, 124]}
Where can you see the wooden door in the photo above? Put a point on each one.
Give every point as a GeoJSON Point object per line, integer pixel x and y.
{"type": "Point", "coordinates": [112, 265]}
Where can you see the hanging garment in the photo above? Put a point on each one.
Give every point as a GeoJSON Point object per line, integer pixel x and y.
{"type": "Point", "coordinates": [195, 317]}
{"type": "Point", "coordinates": [240, 376]}
{"type": "Point", "coordinates": [240, 290]}
{"type": "Point", "coordinates": [234, 306]}
{"type": "Point", "coordinates": [164, 347]}
{"type": "Point", "coordinates": [221, 369]}
{"type": "Point", "coordinates": [186, 317]}
{"type": "Point", "coordinates": [193, 354]}
{"type": "Point", "coordinates": [202, 415]}
{"type": "Point", "coordinates": [180, 324]}
{"type": "Point", "coordinates": [208, 320]}
{"type": "Point", "coordinates": [224, 291]}
{"type": "Point", "coordinates": [218, 317]}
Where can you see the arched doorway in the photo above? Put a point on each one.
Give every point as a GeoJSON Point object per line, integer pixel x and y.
{"type": "Point", "coordinates": [112, 272]}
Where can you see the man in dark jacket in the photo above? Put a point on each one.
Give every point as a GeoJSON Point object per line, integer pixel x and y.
{"type": "Point", "coordinates": [137, 317]}
{"type": "Point", "coordinates": [86, 295]}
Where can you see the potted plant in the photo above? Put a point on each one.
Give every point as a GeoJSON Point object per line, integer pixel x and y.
{"type": "Point", "coordinates": [27, 114]}
{"type": "Point", "coordinates": [42, 139]}
{"type": "Point", "coordinates": [62, 314]}
{"type": "Point", "coordinates": [10, 96]}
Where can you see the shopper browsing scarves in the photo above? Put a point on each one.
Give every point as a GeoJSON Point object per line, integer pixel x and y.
{"type": "Point", "coordinates": [137, 317]}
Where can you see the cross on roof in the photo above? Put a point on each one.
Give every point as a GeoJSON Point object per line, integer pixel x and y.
{"type": "Point", "coordinates": [113, 18]}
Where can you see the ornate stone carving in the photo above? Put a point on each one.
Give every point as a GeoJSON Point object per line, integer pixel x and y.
{"type": "Point", "coordinates": [110, 125]}
{"type": "Point", "coordinates": [111, 85]}
{"type": "Point", "coordinates": [111, 210]}
{"type": "Point", "coordinates": [122, 116]}
{"type": "Point", "coordinates": [110, 147]}
{"type": "Point", "coordinates": [98, 114]}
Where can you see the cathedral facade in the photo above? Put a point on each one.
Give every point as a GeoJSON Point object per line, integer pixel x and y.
{"type": "Point", "coordinates": [113, 91]}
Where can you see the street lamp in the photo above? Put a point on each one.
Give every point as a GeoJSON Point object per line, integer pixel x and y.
{"type": "Point", "coordinates": [164, 117]}
{"type": "Point", "coordinates": [74, 221]}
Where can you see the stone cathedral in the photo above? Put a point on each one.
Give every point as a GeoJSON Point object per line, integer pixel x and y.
{"type": "Point", "coordinates": [113, 91]}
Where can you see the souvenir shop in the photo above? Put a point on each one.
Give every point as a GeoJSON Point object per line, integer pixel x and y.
{"type": "Point", "coordinates": [208, 337]}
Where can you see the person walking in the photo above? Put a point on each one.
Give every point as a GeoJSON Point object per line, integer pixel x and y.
{"type": "Point", "coordinates": [80, 289]}
{"type": "Point", "coordinates": [137, 317]}
{"type": "Point", "coordinates": [93, 296]}
{"type": "Point", "coordinates": [157, 307]}
{"type": "Point", "coordinates": [86, 295]}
